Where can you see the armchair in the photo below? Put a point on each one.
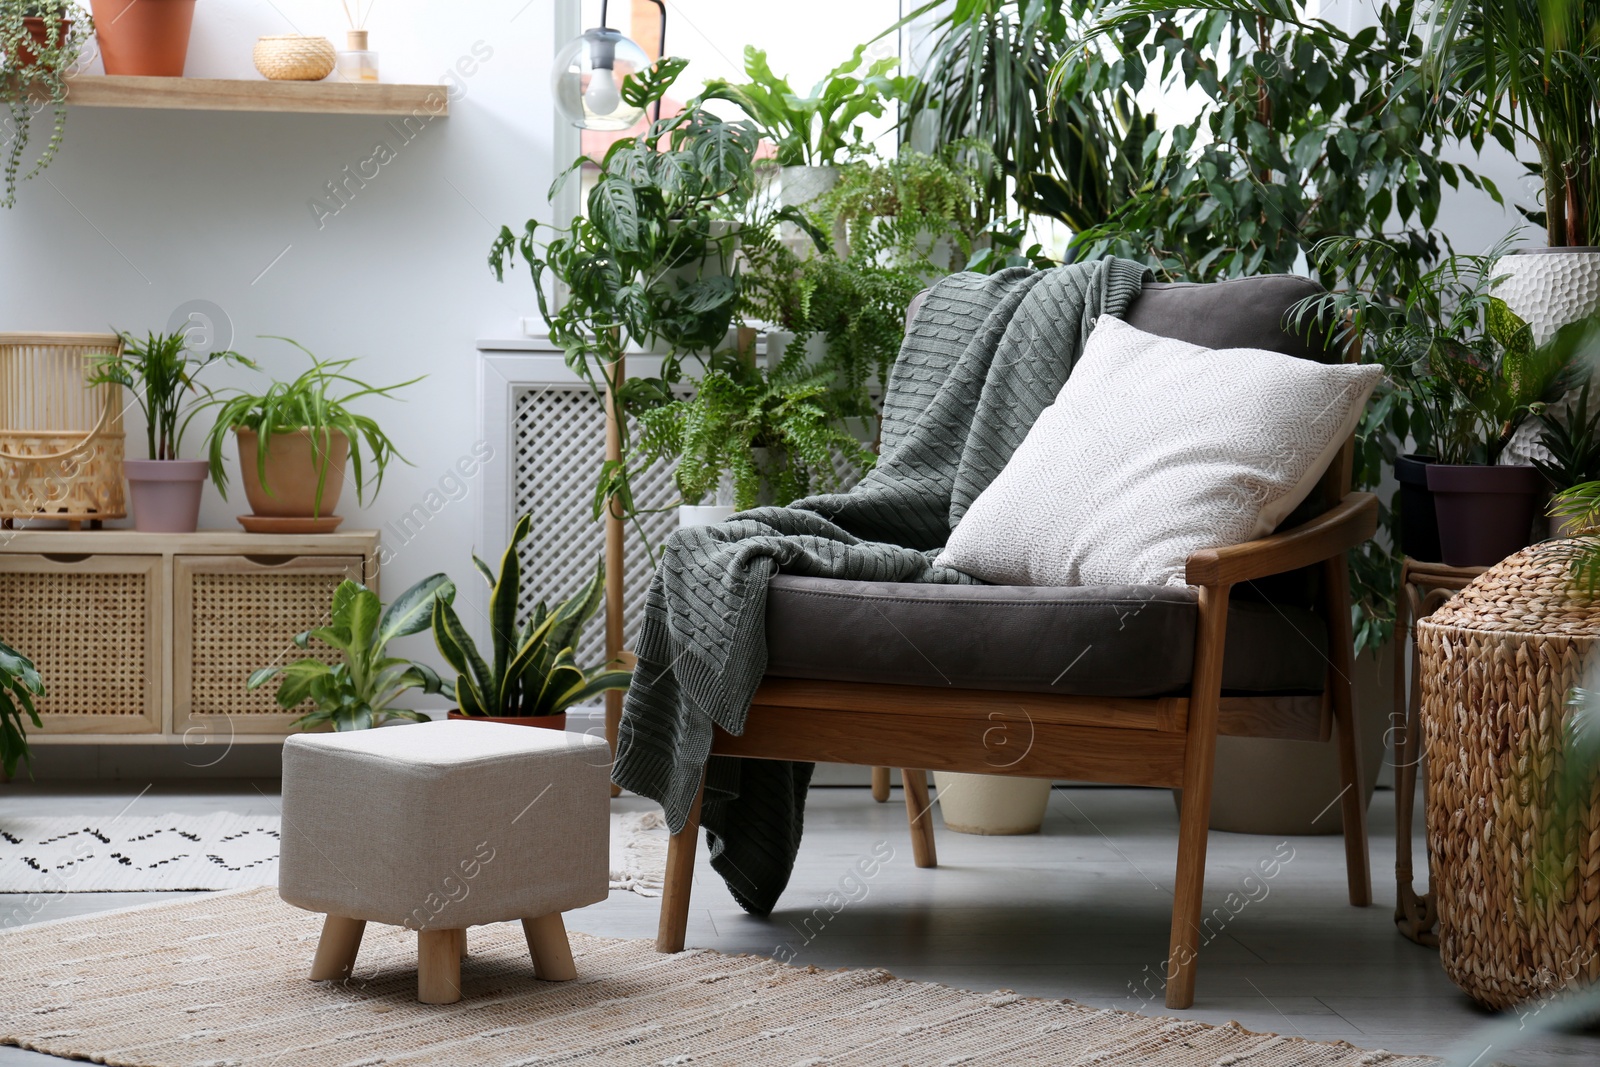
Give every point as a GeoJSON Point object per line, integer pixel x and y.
{"type": "Point", "coordinates": [1128, 685]}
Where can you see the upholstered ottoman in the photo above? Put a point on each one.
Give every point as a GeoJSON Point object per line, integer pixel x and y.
{"type": "Point", "coordinates": [441, 826]}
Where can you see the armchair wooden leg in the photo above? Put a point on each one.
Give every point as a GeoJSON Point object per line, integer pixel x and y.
{"type": "Point", "coordinates": [438, 967]}
{"type": "Point", "coordinates": [1194, 819]}
{"type": "Point", "coordinates": [679, 881]}
{"type": "Point", "coordinates": [919, 812]}
{"type": "Point", "coordinates": [1352, 796]}
{"type": "Point", "coordinates": [613, 716]}
{"type": "Point", "coordinates": [880, 784]}
{"type": "Point", "coordinates": [549, 947]}
{"type": "Point", "coordinates": [336, 951]}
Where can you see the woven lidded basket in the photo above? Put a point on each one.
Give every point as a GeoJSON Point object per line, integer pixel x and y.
{"type": "Point", "coordinates": [61, 440]}
{"type": "Point", "coordinates": [291, 58]}
{"type": "Point", "coordinates": [1497, 663]}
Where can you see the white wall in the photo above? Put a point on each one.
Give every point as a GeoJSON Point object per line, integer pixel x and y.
{"type": "Point", "coordinates": [144, 211]}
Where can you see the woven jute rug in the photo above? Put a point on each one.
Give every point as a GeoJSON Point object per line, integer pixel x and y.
{"type": "Point", "coordinates": [166, 853]}
{"type": "Point", "coordinates": [222, 981]}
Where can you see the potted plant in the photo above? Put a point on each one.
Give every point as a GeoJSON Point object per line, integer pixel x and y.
{"type": "Point", "coordinates": [359, 691]}
{"type": "Point", "coordinates": [1572, 442]}
{"type": "Point", "coordinates": [813, 134]}
{"type": "Point", "coordinates": [163, 374]}
{"type": "Point", "coordinates": [148, 38]}
{"type": "Point", "coordinates": [533, 676]}
{"type": "Point", "coordinates": [1524, 69]}
{"type": "Point", "coordinates": [294, 440]}
{"type": "Point", "coordinates": [41, 41]}
{"type": "Point", "coordinates": [20, 685]}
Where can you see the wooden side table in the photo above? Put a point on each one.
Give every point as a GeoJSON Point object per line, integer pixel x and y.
{"type": "Point", "coordinates": [1424, 587]}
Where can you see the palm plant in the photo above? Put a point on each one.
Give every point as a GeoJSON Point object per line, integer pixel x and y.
{"type": "Point", "coordinates": [161, 373]}
{"type": "Point", "coordinates": [308, 403]}
{"type": "Point", "coordinates": [359, 691]}
{"type": "Point", "coordinates": [20, 685]}
{"type": "Point", "coordinates": [1531, 69]}
{"type": "Point", "coordinates": [534, 670]}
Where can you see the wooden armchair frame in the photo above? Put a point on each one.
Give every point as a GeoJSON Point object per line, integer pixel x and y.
{"type": "Point", "coordinates": [1160, 741]}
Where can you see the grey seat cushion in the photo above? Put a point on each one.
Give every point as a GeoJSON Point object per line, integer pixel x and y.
{"type": "Point", "coordinates": [1122, 641]}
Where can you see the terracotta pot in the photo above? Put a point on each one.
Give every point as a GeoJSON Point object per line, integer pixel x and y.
{"type": "Point", "coordinates": [144, 37]}
{"type": "Point", "coordinates": [549, 722]}
{"type": "Point", "coordinates": [39, 30]}
{"type": "Point", "coordinates": [292, 473]}
{"type": "Point", "coordinates": [165, 493]}
{"type": "Point", "coordinates": [1485, 513]}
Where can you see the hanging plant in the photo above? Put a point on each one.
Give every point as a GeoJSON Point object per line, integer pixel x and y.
{"type": "Point", "coordinates": [41, 40]}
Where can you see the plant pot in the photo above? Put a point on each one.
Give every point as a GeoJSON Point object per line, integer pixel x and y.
{"type": "Point", "coordinates": [1419, 520]}
{"type": "Point", "coordinates": [1485, 513]}
{"type": "Point", "coordinates": [991, 804]}
{"type": "Point", "coordinates": [1265, 785]}
{"type": "Point", "coordinates": [292, 474]}
{"type": "Point", "coordinates": [144, 37]}
{"type": "Point", "coordinates": [548, 722]}
{"type": "Point", "coordinates": [703, 514]}
{"type": "Point", "coordinates": [39, 31]}
{"type": "Point", "coordinates": [804, 184]}
{"type": "Point", "coordinates": [165, 493]}
{"type": "Point", "coordinates": [1550, 287]}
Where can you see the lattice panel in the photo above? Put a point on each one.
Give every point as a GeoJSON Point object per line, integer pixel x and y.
{"type": "Point", "coordinates": [559, 444]}
{"type": "Point", "coordinates": [88, 635]}
{"type": "Point", "coordinates": [246, 621]}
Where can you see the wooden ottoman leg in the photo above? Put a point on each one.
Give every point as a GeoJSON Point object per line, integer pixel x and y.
{"type": "Point", "coordinates": [438, 967]}
{"type": "Point", "coordinates": [919, 812]}
{"type": "Point", "coordinates": [336, 952]}
{"type": "Point", "coordinates": [880, 784]}
{"type": "Point", "coordinates": [547, 944]}
{"type": "Point", "coordinates": [461, 941]}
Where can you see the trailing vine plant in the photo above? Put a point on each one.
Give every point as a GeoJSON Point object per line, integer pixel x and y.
{"type": "Point", "coordinates": [41, 40]}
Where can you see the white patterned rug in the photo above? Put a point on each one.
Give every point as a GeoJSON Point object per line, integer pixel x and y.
{"type": "Point", "coordinates": [167, 853]}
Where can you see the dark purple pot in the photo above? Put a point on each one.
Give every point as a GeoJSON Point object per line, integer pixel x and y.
{"type": "Point", "coordinates": [1419, 521]}
{"type": "Point", "coordinates": [1485, 513]}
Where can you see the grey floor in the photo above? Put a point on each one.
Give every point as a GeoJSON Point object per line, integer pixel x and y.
{"type": "Point", "coordinates": [1080, 911]}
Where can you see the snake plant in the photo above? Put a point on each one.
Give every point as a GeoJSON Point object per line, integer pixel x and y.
{"type": "Point", "coordinates": [359, 691]}
{"type": "Point", "coordinates": [534, 670]}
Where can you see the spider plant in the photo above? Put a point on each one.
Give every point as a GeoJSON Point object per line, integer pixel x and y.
{"type": "Point", "coordinates": [309, 403]}
{"type": "Point", "coordinates": [534, 671]}
{"type": "Point", "coordinates": [359, 691]}
{"type": "Point", "coordinates": [19, 685]}
{"type": "Point", "coordinates": [161, 371]}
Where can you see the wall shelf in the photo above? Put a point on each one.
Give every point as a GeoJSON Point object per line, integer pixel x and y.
{"type": "Point", "coordinates": [258, 94]}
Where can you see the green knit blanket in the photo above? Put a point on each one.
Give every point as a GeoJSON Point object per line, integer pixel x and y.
{"type": "Point", "coordinates": [984, 356]}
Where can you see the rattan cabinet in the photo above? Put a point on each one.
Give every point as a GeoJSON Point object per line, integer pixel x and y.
{"type": "Point", "coordinates": [150, 637]}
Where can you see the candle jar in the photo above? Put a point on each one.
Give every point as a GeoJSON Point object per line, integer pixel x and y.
{"type": "Point", "coordinates": [358, 63]}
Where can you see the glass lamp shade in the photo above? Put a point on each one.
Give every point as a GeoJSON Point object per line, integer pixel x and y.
{"type": "Point", "coordinates": [588, 80]}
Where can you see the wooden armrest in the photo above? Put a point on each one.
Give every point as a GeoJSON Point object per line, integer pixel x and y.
{"type": "Point", "coordinates": [1344, 526]}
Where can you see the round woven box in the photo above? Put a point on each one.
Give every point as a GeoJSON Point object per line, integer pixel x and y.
{"type": "Point", "coordinates": [292, 58]}
{"type": "Point", "coordinates": [1497, 663]}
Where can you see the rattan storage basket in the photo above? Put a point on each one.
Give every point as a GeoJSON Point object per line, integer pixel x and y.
{"type": "Point", "coordinates": [1497, 662]}
{"type": "Point", "coordinates": [61, 440]}
{"type": "Point", "coordinates": [290, 57]}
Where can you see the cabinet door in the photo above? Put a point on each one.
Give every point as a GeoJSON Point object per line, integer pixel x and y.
{"type": "Point", "coordinates": [233, 615]}
{"type": "Point", "coordinates": [92, 625]}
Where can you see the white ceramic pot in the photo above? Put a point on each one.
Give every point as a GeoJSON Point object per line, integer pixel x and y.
{"type": "Point", "coordinates": [991, 804]}
{"type": "Point", "coordinates": [801, 185]}
{"type": "Point", "coordinates": [702, 514]}
{"type": "Point", "coordinates": [1548, 288]}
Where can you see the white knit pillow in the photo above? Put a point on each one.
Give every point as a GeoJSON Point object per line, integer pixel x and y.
{"type": "Point", "coordinates": [1154, 449]}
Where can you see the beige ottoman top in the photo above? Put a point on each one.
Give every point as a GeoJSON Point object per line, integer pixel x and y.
{"type": "Point", "coordinates": [446, 824]}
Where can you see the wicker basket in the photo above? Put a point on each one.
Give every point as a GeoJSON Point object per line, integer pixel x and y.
{"type": "Point", "coordinates": [61, 441]}
{"type": "Point", "coordinates": [1496, 664]}
{"type": "Point", "coordinates": [292, 58]}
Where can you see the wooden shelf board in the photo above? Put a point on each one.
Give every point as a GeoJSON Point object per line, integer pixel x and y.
{"type": "Point", "coordinates": [224, 94]}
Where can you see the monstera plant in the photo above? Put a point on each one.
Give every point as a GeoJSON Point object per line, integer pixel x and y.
{"type": "Point", "coordinates": [533, 671]}
{"type": "Point", "coordinates": [359, 691]}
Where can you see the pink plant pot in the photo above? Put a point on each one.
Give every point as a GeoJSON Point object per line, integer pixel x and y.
{"type": "Point", "coordinates": [165, 493]}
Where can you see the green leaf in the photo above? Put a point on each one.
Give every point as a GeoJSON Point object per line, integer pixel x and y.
{"type": "Point", "coordinates": [645, 87]}
{"type": "Point", "coordinates": [412, 610]}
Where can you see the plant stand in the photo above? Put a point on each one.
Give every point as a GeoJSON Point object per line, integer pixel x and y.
{"type": "Point", "coordinates": [1424, 587]}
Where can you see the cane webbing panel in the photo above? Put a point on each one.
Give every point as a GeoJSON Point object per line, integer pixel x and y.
{"type": "Point", "coordinates": [245, 621]}
{"type": "Point", "coordinates": [88, 634]}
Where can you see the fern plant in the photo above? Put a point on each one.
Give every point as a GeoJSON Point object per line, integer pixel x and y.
{"type": "Point", "coordinates": [533, 669]}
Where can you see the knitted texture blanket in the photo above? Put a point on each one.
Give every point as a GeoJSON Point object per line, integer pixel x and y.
{"type": "Point", "coordinates": [984, 356]}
